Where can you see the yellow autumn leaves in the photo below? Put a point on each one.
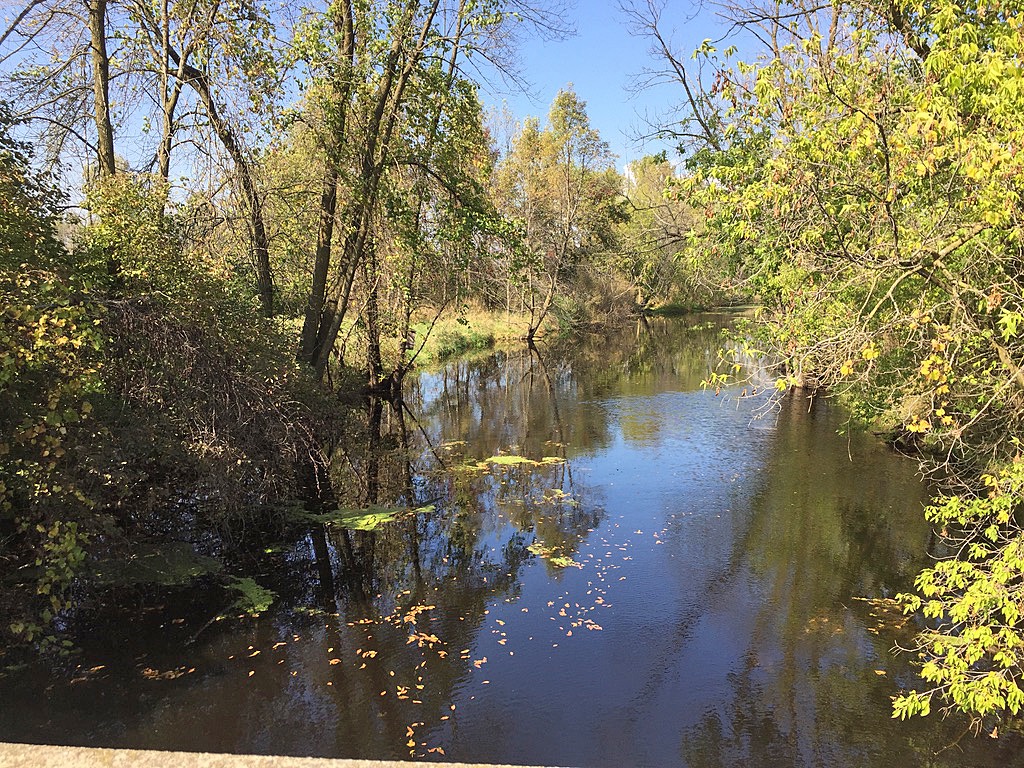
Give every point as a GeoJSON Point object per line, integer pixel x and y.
{"type": "Point", "coordinates": [934, 371]}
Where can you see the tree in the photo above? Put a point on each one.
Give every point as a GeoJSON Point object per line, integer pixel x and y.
{"type": "Point", "coordinates": [867, 185]}
{"type": "Point", "coordinates": [559, 183]}
{"type": "Point", "coordinates": [49, 342]}
{"type": "Point", "coordinates": [373, 65]}
{"type": "Point", "coordinates": [654, 237]}
{"type": "Point", "coordinates": [163, 49]}
{"type": "Point", "coordinates": [100, 61]}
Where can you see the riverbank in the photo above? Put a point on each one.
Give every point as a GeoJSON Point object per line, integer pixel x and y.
{"type": "Point", "coordinates": [441, 338]}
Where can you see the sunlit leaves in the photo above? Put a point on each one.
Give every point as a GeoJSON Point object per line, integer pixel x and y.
{"type": "Point", "coordinates": [559, 185]}
{"type": "Point", "coordinates": [971, 653]}
{"type": "Point", "coordinates": [49, 364]}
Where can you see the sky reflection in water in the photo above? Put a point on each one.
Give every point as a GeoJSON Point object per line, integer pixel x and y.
{"type": "Point", "coordinates": [706, 613]}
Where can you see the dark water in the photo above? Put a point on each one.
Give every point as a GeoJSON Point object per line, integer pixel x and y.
{"type": "Point", "coordinates": [706, 612]}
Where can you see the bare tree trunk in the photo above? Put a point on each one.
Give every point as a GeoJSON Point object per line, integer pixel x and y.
{"type": "Point", "coordinates": [537, 321]}
{"type": "Point", "coordinates": [170, 91]}
{"type": "Point", "coordinates": [374, 362]}
{"type": "Point", "coordinates": [316, 307]}
{"type": "Point", "coordinates": [260, 241]}
{"type": "Point", "coordinates": [101, 87]}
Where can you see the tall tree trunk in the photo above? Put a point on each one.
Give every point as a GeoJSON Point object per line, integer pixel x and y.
{"type": "Point", "coordinates": [105, 156]}
{"type": "Point", "coordinates": [260, 241]}
{"type": "Point", "coordinates": [319, 314]}
{"type": "Point", "coordinates": [376, 143]}
{"type": "Point", "coordinates": [316, 306]}
{"type": "Point", "coordinates": [170, 91]}
{"type": "Point", "coordinates": [374, 362]}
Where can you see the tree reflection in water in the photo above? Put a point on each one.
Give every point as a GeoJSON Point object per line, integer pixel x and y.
{"type": "Point", "coordinates": [712, 619]}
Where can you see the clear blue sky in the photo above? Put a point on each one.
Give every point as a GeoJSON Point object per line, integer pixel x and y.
{"type": "Point", "coordinates": [601, 61]}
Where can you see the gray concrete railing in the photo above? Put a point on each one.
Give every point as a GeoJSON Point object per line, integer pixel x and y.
{"type": "Point", "coordinates": [40, 756]}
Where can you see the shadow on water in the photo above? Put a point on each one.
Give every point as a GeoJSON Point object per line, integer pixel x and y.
{"type": "Point", "coordinates": [576, 556]}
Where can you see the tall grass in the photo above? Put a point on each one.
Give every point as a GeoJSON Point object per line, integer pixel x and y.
{"type": "Point", "coordinates": [469, 330]}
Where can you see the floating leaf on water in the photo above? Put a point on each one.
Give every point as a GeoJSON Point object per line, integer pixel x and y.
{"type": "Point", "coordinates": [561, 561]}
{"type": "Point", "coordinates": [277, 549]}
{"type": "Point", "coordinates": [553, 556]}
{"type": "Point", "coordinates": [171, 674]}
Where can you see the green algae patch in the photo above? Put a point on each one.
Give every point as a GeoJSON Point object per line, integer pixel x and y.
{"type": "Point", "coordinates": [167, 565]}
{"type": "Point", "coordinates": [365, 518]}
{"type": "Point", "coordinates": [253, 599]}
{"type": "Point", "coordinates": [513, 460]}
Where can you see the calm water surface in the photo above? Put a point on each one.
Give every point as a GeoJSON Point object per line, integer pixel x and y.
{"type": "Point", "coordinates": [677, 584]}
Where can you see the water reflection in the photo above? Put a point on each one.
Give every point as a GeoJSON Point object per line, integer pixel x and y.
{"type": "Point", "coordinates": [657, 578]}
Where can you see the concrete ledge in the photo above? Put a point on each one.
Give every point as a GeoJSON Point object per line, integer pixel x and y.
{"type": "Point", "coordinates": [40, 756]}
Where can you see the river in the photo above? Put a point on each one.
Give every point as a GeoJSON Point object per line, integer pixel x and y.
{"type": "Point", "coordinates": [610, 566]}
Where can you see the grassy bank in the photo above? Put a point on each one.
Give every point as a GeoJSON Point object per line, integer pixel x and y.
{"type": "Point", "coordinates": [455, 334]}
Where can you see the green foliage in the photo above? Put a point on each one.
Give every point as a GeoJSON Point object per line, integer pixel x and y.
{"type": "Point", "coordinates": [652, 250]}
{"type": "Point", "coordinates": [455, 341]}
{"type": "Point", "coordinates": [872, 195]}
{"type": "Point", "coordinates": [972, 650]}
{"type": "Point", "coordinates": [135, 382]}
{"type": "Point", "coordinates": [128, 234]}
{"type": "Point", "coordinates": [49, 372]}
{"type": "Point", "coordinates": [559, 186]}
